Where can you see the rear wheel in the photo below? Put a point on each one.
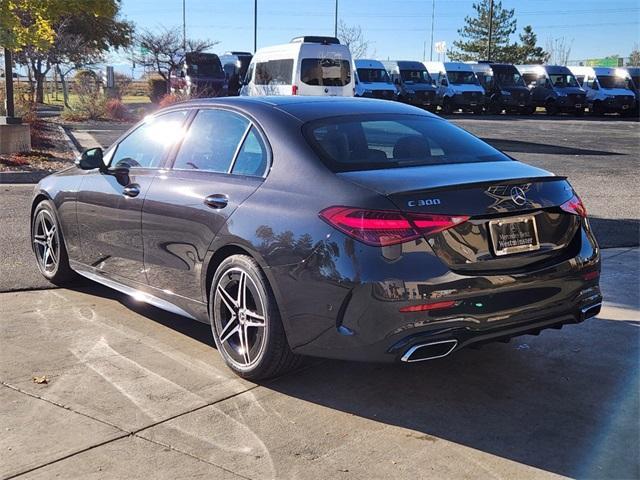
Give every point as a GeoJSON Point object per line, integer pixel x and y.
{"type": "Point", "coordinates": [48, 245]}
{"type": "Point", "coordinates": [246, 323]}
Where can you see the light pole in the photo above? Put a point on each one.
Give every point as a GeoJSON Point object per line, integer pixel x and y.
{"type": "Point", "coordinates": [335, 21]}
{"type": "Point", "coordinates": [184, 26]}
{"type": "Point", "coordinates": [255, 25]}
{"type": "Point", "coordinates": [433, 15]}
{"type": "Point", "coordinates": [490, 29]}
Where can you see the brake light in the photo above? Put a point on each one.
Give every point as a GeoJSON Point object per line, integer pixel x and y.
{"type": "Point", "coordinates": [294, 89]}
{"type": "Point", "coordinates": [575, 206]}
{"type": "Point", "coordinates": [428, 306]}
{"type": "Point", "coordinates": [386, 227]}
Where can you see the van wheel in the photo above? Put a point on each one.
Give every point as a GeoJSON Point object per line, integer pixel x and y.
{"type": "Point", "coordinates": [551, 108]}
{"type": "Point", "coordinates": [447, 108]}
{"type": "Point", "coordinates": [478, 110]}
{"type": "Point", "coordinates": [246, 323]}
{"type": "Point", "coordinates": [597, 109]}
{"type": "Point", "coordinates": [579, 112]}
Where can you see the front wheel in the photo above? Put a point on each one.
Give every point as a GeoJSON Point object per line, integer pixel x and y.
{"type": "Point", "coordinates": [245, 321]}
{"type": "Point", "coordinates": [48, 245]}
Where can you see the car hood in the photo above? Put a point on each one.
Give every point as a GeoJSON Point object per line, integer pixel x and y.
{"type": "Point", "coordinates": [377, 86]}
{"type": "Point", "coordinates": [570, 90]}
{"type": "Point", "coordinates": [618, 91]}
{"type": "Point", "coordinates": [466, 88]}
{"type": "Point", "coordinates": [419, 87]}
{"type": "Point", "coordinates": [515, 89]}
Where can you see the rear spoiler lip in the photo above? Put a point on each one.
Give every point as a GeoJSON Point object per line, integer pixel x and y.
{"type": "Point", "coordinates": [507, 181]}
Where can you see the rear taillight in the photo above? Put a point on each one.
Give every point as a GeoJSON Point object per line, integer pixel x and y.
{"type": "Point", "coordinates": [428, 306]}
{"type": "Point", "coordinates": [575, 206]}
{"type": "Point", "coordinates": [294, 89]}
{"type": "Point", "coordinates": [387, 227]}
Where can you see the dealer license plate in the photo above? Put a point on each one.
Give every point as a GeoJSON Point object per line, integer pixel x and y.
{"type": "Point", "coordinates": [514, 235]}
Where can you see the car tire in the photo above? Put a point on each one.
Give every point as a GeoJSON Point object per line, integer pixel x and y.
{"type": "Point", "coordinates": [48, 245]}
{"type": "Point", "coordinates": [245, 321]}
{"type": "Point", "coordinates": [597, 109]}
{"type": "Point", "coordinates": [478, 111]}
{"type": "Point", "coordinates": [579, 112]}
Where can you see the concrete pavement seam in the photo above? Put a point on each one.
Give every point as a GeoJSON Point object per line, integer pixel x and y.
{"type": "Point", "coordinates": [51, 402]}
{"type": "Point", "coordinates": [72, 454]}
{"type": "Point", "coordinates": [195, 457]}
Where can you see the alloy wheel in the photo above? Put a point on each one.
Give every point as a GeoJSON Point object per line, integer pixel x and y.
{"type": "Point", "coordinates": [240, 318]}
{"type": "Point", "coordinates": [45, 241]}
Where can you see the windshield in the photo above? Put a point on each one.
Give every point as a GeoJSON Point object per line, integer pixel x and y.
{"type": "Point", "coordinates": [462, 78]}
{"type": "Point", "coordinates": [415, 76]}
{"type": "Point", "coordinates": [509, 79]}
{"type": "Point", "coordinates": [369, 142]}
{"type": "Point", "coordinates": [326, 72]}
{"type": "Point", "coordinates": [204, 70]}
{"type": "Point", "coordinates": [613, 81]}
{"type": "Point", "coordinates": [562, 81]}
{"type": "Point", "coordinates": [370, 75]}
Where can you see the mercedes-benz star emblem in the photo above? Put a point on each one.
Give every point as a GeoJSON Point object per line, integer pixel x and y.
{"type": "Point", "coordinates": [518, 196]}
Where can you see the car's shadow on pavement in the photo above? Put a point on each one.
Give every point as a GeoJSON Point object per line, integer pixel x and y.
{"type": "Point", "coordinates": [562, 402]}
{"type": "Point", "coordinates": [616, 232]}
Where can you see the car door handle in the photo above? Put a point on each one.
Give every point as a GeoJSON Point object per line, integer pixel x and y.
{"type": "Point", "coordinates": [132, 190]}
{"type": "Point", "coordinates": [217, 200]}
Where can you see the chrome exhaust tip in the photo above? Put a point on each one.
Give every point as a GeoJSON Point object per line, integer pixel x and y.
{"type": "Point", "coordinates": [590, 311]}
{"type": "Point", "coordinates": [429, 351]}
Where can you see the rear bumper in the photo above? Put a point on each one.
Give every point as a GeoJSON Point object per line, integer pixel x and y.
{"type": "Point", "coordinates": [347, 305]}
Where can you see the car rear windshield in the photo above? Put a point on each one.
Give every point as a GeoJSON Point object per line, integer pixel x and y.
{"type": "Point", "coordinates": [326, 72]}
{"type": "Point", "coordinates": [366, 142]}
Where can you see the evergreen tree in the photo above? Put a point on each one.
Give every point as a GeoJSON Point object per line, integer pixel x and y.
{"type": "Point", "coordinates": [474, 44]}
{"type": "Point", "coordinates": [528, 52]}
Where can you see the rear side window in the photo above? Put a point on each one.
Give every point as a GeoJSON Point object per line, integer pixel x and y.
{"type": "Point", "coordinates": [391, 141]}
{"type": "Point", "coordinates": [252, 157]}
{"type": "Point", "coordinates": [327, 72]}
{"type": "Point", "coordinates": [274, 72]}
{"type": "Point", "coordinates": [212, 141]}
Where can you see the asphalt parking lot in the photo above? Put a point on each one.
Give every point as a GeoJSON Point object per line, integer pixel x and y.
{"type": "Point", "coordinates": [134, 392]}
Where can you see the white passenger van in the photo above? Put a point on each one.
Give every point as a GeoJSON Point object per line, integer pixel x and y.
{"type": "Point", "coordinates": [457, 86]}
{"type": "Point", "coordinates": [305, 66]}
{"type": "Point", "coordinates": [373, 81]}
{"type": "Point", "coordinates": [609, 90]}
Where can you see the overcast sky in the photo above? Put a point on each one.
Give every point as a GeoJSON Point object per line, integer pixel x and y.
{"type": "Point", "coordinates": [395, 28]}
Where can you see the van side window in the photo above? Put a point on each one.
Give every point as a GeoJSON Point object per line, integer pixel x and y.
{"type": "Point", "coordinates": [274, 72]}
{"type": "Point", "coordinates": [249, 76]}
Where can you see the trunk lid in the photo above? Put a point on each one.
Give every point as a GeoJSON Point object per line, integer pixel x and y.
{"type": "Point", "coordinates": [488, 192]}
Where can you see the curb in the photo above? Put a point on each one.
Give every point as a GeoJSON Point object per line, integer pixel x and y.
{"type": "Point", "coordinates": [36, 176]}
{"type": "Point", "coordinates": [23, 177]}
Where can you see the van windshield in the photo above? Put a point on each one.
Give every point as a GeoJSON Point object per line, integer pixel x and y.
{"type": "Point", "coordinates": [562, 81]}
{"type": "Point", "coordinates": [462, 78]}
{"type": "Point", "coordinates": [370, 142]}
{"type": "Point", "coordinates": [509, 79]}
{"type": "Point", "coordinates": [415, 76]}
{"type": "Point", "coordinates": [371, 75]}
{"type": "Point", "coordinates": [327, 72]}
{"type": "Point", "coordinates": [613, 81]}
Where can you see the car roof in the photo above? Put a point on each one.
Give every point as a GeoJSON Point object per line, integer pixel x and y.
{"type": "Point", "coordinates": [308, 108]}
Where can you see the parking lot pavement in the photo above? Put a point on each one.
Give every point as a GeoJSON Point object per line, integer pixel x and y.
{"type": "Point", "coordinates": [134, 392]}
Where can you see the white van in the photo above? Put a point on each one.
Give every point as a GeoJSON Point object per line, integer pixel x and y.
{"type": "Point", "coordinates": [373, 81]}
{"type": "Point", "coordinates": [305, 66]}
{"type": "Point", "coordinates": [608, 89]}
{"type": "Point", "coordinates": [457, 86]}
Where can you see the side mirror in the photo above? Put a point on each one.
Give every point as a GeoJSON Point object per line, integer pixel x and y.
{"type": "Point", "coordinates": [396, 81]}
{"type": "Point", "coordinates": [594, 86]}
{"type": "Point", "coordinates": [91, 159]}
{"type": "Point", "coordinates": [444, 82]}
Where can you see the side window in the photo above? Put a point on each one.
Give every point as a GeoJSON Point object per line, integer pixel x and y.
{"type": "Point", "coordinates": [147, 145]}
{"type": "Point", "coordinates": [249, 76]}
{"type": "Point", "coordinates": [252, 158]}
{"type": "Point", "coordinates": [274, 72]}
{"type": "Point", "coordinates": [212, 141]}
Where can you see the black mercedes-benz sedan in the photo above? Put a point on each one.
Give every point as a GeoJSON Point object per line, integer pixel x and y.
{"type": "Point", "coordinates": [346, 228]}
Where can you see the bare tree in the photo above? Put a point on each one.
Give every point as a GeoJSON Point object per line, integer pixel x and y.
{"type": "Point", "coordinates": [353, 38]}
{"type": "Point", "coordinates": [163, 49]}
{"type": "Point", "coordinates": [634, 56]}
{"type": "Point", "coordinates": [559, 50]}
